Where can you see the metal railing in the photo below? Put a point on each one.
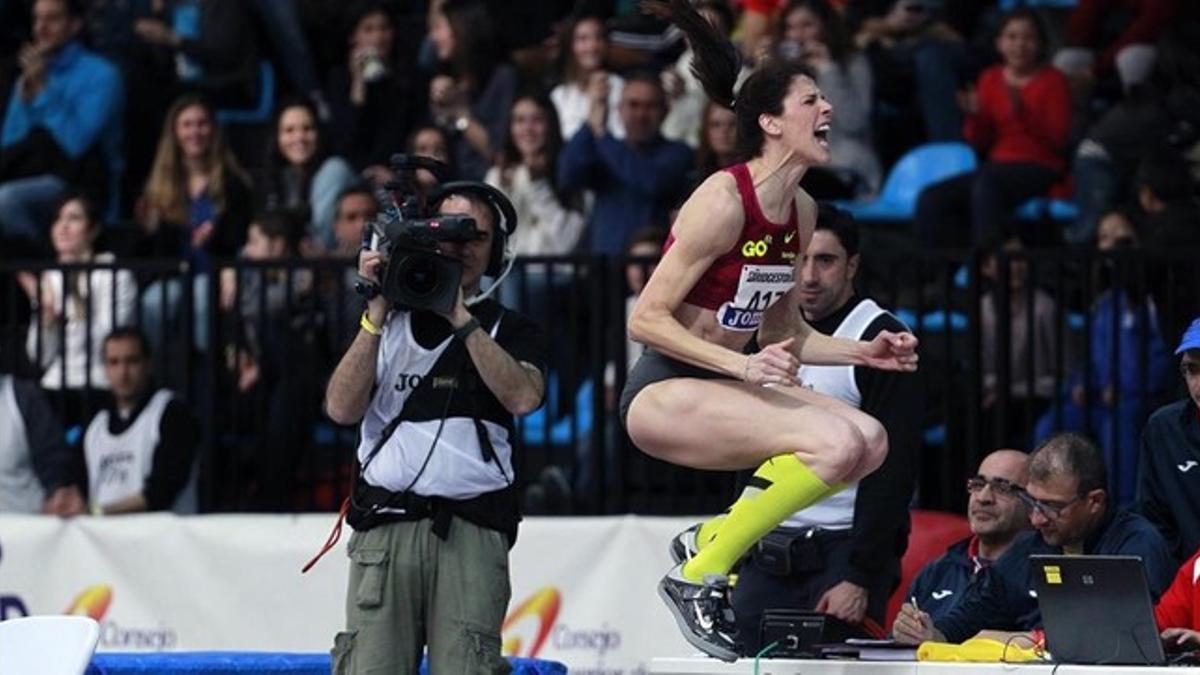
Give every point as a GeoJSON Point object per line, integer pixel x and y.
{"type": "Point", "coordinates": [251, 345]}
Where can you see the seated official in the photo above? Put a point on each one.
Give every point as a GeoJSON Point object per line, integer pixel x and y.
{"type": "Point", "coordinates": [997, 515]}
{"type": "Point", "coordinates": [1178, 612]}
{"type": "Point", "coordinates": [1069, 508]}
{"type": "Point", "coordinates": [434, 507]}
{"type": "Point", "coordinates": [141, 450]}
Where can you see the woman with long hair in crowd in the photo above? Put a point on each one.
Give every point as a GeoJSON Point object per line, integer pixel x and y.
{"type": "Point", "coordinates": [299, 174]}
{"type": "Point", "coordinates": [75, 310]}
{"type": "Point", "coordinates": [525, 173]}
{"type": "Point", "coordinates": [473, 94]}
{"type": "Point", "coordinates": [582, 49]}
{"type": "Point", "coordinates": [196, 206]}
{"type": "Point", "coordinates": [696, 397]}
{"type": "Point", "coordinates": [813, 32]}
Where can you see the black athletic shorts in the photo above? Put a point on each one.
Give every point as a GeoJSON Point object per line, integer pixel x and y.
{"type": "Point", "coordinates": [654, 367]}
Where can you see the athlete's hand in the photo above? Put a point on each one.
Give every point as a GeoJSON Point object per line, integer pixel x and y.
{"type": "Point", "coordinates": [1180, 638]}
{"type": "Point", "coordinates": [892, 351]}
{"type": "Point", "coordinates": [774, 364]}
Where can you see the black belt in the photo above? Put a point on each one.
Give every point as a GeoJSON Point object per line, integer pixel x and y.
{"type": "Point", "coordinates": [371, 506]}
{"type": "Point", "coordinates": [787, 551]}
{"type": "Point", "coordinates": [374, 505]}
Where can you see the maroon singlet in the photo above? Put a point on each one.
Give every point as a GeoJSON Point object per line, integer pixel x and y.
{"type": "Point", "coordinates": [742, 283]}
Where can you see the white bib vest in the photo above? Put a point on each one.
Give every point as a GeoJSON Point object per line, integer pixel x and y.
{"type": "Point", "coordinates": [118, 464]}
{"type": "Point", "coordinates": [456, 468]}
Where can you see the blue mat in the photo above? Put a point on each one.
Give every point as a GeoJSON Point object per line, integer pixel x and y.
{"type": "Point", "coordinates": [210, 663]}
{"type": "Point", "coordinates": [241, 663]}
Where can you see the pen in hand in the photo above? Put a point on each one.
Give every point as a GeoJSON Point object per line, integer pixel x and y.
{"type": "Point", "coordinates": [912, 599]}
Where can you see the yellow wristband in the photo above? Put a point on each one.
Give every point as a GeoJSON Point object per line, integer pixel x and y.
{"type": "Point", "coordinates": [371, 328]}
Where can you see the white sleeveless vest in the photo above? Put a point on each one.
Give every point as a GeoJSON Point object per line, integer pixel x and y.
{"type": "Point", "coordinates": [118, 464]}
{"type": "Point", "coordinates": [837, 512]}
{"type": "Point", "coordinates": [456, 468]}
{"type": "Point", "coordinates": [20, 490]}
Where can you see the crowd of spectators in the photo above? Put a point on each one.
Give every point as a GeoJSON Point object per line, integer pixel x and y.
{"type": "Point", "coordinates": [125, 139]}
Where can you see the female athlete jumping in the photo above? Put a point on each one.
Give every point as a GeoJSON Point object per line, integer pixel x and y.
{"type": "Point", "coordinates": [696, 398]}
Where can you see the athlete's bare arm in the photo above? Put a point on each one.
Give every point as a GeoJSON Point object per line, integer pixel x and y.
{"type": "Point", "coordinates": [889, 351]}
{"type": "Point", "coordinates": [707, 227]}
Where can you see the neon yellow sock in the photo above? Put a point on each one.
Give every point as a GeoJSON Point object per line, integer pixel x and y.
{"type": "Point", "coordinates": [711, 527]}
{"type": "Point", "coordinates": [781, 486]}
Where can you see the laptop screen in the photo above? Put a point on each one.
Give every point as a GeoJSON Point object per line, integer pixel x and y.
{"type": "Point", "coordinates": [1096, 609]}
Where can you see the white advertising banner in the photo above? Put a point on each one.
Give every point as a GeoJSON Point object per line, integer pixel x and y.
{"type": "Point", "coordinates": [584, 589]}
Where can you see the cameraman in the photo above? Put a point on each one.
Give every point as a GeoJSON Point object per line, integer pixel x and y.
{"type": "Point", "coordinates": [434, 508]}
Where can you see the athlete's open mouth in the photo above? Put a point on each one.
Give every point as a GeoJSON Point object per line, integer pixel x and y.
{"type": "Point", "coordinates": [822, 134]}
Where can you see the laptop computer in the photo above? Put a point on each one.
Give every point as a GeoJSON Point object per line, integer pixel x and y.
{"type": "Point", "coordinates": [1096, 610]}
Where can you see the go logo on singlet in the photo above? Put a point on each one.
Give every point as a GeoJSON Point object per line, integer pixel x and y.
{"type": "Point", "coordinates": [759, 287]}
{"type": "Point", "coordinates": [755, 249]}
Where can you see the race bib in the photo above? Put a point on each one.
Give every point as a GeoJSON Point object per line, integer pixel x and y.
{"type": "Point", "coordinates": [758, 288]}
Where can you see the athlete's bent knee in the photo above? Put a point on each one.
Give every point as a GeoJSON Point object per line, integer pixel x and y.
{"type": "Point", "coordinates": [876, 445]}
{"type": "Point", "coordinates": [838, 450]}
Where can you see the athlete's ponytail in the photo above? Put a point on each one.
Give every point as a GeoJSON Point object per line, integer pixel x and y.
{"type": "Point", "coordinates": [716, 63]}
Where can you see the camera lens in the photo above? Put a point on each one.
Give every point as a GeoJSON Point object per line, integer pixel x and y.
{"type": "Point", "coordinates": [420, 275]}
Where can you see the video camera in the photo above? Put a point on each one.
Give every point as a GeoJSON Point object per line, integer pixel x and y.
{"type": "Point", "coordinates": [417, 275]}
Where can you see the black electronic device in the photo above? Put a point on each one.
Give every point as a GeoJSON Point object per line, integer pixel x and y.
{"type": "Point", "coordinates": [799, 633]}
{"type": "Point", "coordinates": [1096, 609]}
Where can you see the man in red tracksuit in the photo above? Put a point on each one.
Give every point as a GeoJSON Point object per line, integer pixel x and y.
{"type": "Point", "coordinates": [1178, 611]}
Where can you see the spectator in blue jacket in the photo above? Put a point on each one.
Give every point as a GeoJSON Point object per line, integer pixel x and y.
{"type": "Point", "coordinates": [1111, 398]}
{"type": "Point", "coordinates": [1070, 509]}
{"type": "Point", "coordinates": [1169, 475]}
{"type": "Point", "coordinates": [997, 515]}
{"type": "Point", "coordinates": [636, 180]}
{"type": "Point", "coordinates": [62, 127]}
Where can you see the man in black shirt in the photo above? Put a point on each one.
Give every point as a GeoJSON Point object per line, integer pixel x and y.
{"type": "Point", "coordinates": [841, 556]}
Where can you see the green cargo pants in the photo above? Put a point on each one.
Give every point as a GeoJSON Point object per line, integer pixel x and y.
{"type": "Point", "coordinates": [410, 590]}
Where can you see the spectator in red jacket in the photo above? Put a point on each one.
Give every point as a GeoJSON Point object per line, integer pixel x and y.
{"type": "Point", "coordinates": [1019, 116]}
{"type": "Point", "coordinates": [1178, 611]}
